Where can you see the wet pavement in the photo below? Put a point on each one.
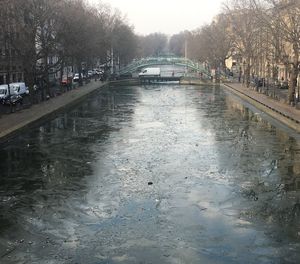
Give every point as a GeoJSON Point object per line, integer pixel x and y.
{"type": "Point", "coordinates": [155, 174]}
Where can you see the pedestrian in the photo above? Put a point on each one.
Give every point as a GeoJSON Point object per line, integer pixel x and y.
{"type": "Point", "coordinates": [35, 94]}
{"type": "Point", "coordinates": [256, 81]}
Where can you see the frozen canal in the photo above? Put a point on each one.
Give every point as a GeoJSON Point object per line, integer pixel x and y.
{"type": "Point", "coordinates": [156, 174]}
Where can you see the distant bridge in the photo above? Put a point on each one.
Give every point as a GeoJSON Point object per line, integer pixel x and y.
{"type": "Point", "coordinates": [192, 67]}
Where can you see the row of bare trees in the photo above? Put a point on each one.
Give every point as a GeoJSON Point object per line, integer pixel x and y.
{"type": "Point", "coordinates": [262, 35]}
{"type": "Point", "coordinates": [71, 31]}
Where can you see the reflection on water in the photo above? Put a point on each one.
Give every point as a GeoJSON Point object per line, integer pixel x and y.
{"type": "Point", "coordinates": [286, 150]}
{"type": "Point", "coordinates": [225, 177]}
{"type": "Point", "coordinates": [265, 160]}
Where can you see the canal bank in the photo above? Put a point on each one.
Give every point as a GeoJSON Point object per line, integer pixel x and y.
{"type": "Point", "coordinates": [152, 174]}
{"type": "Point", "coordinates": [286, 114]}
{"type": "Point", "coordinates": [11, 124]}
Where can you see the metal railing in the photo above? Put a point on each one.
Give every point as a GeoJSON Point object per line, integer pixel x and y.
{"type": "Point", "coordinates": [136, 65]}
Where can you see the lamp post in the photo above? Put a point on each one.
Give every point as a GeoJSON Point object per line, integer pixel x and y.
{"type": "Point", "coordinates": [7, 46]}
{"type": "Point", "coordinates": [185, 54]}
{"type": "Point", "coordinates": [298, 84]}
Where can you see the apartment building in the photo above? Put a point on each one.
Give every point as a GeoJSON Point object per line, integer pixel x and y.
{"type": "Point", "coordinates": [11, 68]}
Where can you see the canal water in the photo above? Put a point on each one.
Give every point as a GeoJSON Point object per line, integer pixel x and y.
{"type": "Point", "coordinates": [154, 174]}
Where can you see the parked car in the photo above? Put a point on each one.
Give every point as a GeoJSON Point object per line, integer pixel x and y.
{"type": "Point", "coordinates": [20, 88]}
{"type": "Point", "coordinates": [97, 72]}
{"type": "Point", "coordinates": [90, 73]}
{"type": "Point", "coordinates": [13, 99]}
{"type": "Point", "coordinates": [284, 85]}
{"type": "Point", "coordinates": [66, 81]}
{"type": "Point", "coordinates": [76, 77]}
{"type": "Point", "coordinates": [4, 93]}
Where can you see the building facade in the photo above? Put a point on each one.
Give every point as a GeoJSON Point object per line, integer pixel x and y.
{"type": "Point", "coordinates": [11, 66]}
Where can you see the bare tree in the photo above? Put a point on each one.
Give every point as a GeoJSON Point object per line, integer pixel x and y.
{"type": "Point", "coordinates": [197, 45]}
{"type": "Point", "coordinates": [75, 34]}
{"type": "Point", "coordinates": [217, 43]}
{"type": "Point", "coordinates": [47, 35]}
{"type": "Point", "coordinates": [177, 43]}
{"type": "Point", "coordinates": [7, 38]}
{"type": "Point", "coordinates": [37, 24]}
{"type": "Point", "coordinates": [121, 39]}
{"type": "Point", "coordinates": [153, 44]}
{"type": "Point", "coordinates": [244, 32]}
{"type": "Point", "coordinates": [125, 43]}
{"type": "Point", "coordinates": [282, 18]}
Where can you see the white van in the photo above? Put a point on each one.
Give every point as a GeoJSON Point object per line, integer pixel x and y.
{"type": "Point", "coordinates": [4, 91]}
{"type": "Point", "coordinates": [20, 88]}
{"type": "Point", "coordinates": [150, 72]}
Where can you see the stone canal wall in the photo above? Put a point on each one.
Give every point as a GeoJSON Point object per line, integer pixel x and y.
{"type": "Point", "coordinates": [286, 114]}
{"type": "Point", "coordinates": [10, 124]}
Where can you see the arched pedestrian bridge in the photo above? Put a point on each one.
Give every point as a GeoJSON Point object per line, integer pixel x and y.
{"type": "Point", "coordinates": [191, 68]}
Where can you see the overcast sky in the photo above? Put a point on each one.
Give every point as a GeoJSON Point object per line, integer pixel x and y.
{"type": "Point", "coordinates": [166, 16]}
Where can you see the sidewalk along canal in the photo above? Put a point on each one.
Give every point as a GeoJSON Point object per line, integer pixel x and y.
{"type": "Point", "coordinates": [13, 123]}
{"type": "Point", "coordinates": [286, 114]}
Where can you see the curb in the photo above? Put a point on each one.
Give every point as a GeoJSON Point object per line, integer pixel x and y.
{"type": "Point", "coordinates": [34, 116]}
{"type": "Point", "coordinates": [268, 109]}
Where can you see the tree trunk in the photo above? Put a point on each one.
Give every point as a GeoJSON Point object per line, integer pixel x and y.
{"type": "Point", "coordinates": [248, 67]}
{"type": "Point", "coordinates": [62, 89]}
{"type": "Point", "coordinates": [293, 77]}
{"type": "Point", "coordinates": [29, 78]}
{"type": "Point", "coordinates": [79, 66]}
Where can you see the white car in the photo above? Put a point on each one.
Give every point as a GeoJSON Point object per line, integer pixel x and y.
{"type": "Point", "coordinates": [4, 91]}
{"type": "Point", "coordinates": [97, 72]}
{"type": "Point", "coordinates": [90, 73]}
{"type": "Point", "coordinates": [76, 77]}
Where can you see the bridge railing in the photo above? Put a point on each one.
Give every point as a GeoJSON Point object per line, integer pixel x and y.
{"type": "Point", "coordinates": [151, 61]}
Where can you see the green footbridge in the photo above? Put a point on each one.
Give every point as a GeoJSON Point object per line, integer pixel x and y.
{"type": "Point", "coordinates": [193, 69]}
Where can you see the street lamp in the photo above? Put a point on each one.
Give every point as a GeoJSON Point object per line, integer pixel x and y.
{"type": "Point", "coordinates": [185, 54]}
{"type": "Point", "coordinates": [298, 84]}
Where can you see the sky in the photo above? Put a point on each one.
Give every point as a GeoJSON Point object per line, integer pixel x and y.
{"type": "Point", "coordinates": [166, 16]}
